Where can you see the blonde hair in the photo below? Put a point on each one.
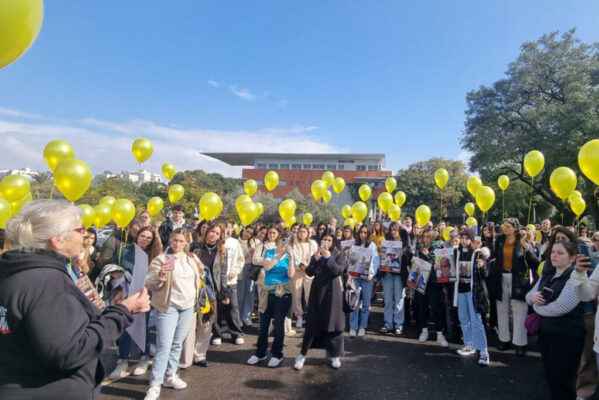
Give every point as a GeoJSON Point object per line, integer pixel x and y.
{"type": "Point", "coordinates": [39, 221]}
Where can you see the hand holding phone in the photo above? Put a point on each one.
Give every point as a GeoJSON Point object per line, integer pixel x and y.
{"type": "Point", "coordinates": [547, 293]}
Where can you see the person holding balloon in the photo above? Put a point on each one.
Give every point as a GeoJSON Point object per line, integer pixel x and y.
{"type": "Point", "coordinates": [303, 250]}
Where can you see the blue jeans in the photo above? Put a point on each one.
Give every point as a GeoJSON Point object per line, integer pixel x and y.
{"type": "Point", "coordinates": [245, 296]}
{"type": "Point", "coordinates": [277, 309]}
{"type": "Point", "coordinates": [171, 329]}
{"type": "Point", "coordinates": [471, 322]}
{"type": "Point", "coordinates": [125, 342]}
{"type": "Point", "coordinates": [394, 295]}
{"type": "Point", "coordinates": [365, 311]}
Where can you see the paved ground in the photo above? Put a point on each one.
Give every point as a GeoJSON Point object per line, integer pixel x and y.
{"type": "Point", "coordinates": [375, 367]}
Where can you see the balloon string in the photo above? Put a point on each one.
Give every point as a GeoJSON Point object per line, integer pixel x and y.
{"type": "Point", "coordinates": [52, 192]}
{"type": "Point", "coordinates": [532, 181]}
{"type": "Point", "coordinates": [441, 206]}
{"type": "Point", "coordinates": [563, 207]}
{"type": "Point", "coordinates": [502, 204]}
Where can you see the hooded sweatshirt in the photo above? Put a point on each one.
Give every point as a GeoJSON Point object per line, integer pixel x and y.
{"type": "Point", "coordinates": [51, 335]}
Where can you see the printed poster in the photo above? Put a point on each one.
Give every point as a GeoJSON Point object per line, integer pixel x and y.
{"type": "Point", "coordinates": [445, 265]}
{"type": "Point", "coordinates": [391, 252]}
{"type": "Point", "coordinates": [465, 271]}
{"type": "Point", "coordinates": [359, 261]}
{"type": "Point", "coordinates": [419, 273]}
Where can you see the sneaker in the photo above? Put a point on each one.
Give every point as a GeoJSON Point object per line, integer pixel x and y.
{"type": "Point", "coordinates": [153, 392]}
{"type": "Point", "coordinates": [423, 335]}
{"type": "Point", "coordinates": [141, 367]}
{"type": "Point", "coordinates": [174, 382]}
{"type": "Point", "coordinates": [384, 329]}
{"type": "Point", "coordinates": [441, 339]}
{"type": "Point", "coordinates": [299, 362]}
{"type": "Point", "coordinates": [291, 333]}
{"type": "Point", "coordinates": [300, 322]}
{"type": "Point", "coordinates": [399, 330]}
{"type": "Point", "coordinates": [239, 340]}
{"type": "Point", "coordinates": [352, 333]}
{"type": "Point", "coordinates": [274, 362]}
{"type": "Point", "coordinates": [361, 332]}
{"type": "Point", "coordinates": [120, 370]}
{"type": "Point", "coordinates": [335, 362]}
{"type": "Point", "coordinates": [467, 350]}
{"type": "Point", "coordinates": [253, 360]}
{"type": "Point", "coordinates": [484, 358]}
{"type": "Point", "coordinates": [217, 341]}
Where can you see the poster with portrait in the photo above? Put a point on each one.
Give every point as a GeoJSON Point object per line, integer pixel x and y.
{"type": "Point", "coordinates": [359, 261]}
{"type": "Point", "coordinates": [465, 271]}
{"type": "Point", "coordinates": [445, 265]}
{"type": "Point", "coordinates": [345, 249]}
{"type": "Point", "coordinates": [419, 273]}
{"type": "Point", "coordinates": [390, 255]}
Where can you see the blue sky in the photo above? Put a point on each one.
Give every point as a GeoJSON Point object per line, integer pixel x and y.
{"type": "Point", "coordinates": [298, 76]}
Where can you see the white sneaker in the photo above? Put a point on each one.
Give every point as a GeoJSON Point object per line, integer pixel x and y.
{"type": "Point", "coordinates": [120, 370]}
{"type": "Point", "coordinates": [441, 339]}
{"type": "Point", "coordinates": [300, 322]}
{"type": "Point", "coordinates": [153, 392]}
{"type": "Point", "coordinates": [361, 332]}
{"type": "Point", "coordinates": [335, 362]}
{"type": "Point", "coordinates": [141, 367]}
{"type": "Point", "coordinates": [352, 333]}
{"type": "Point", "coordinates": [291, 333]}
{"type": "Point", "coordinates": [239, 340]}
{"type": "Point", "coordinates": [467, 350]}
{"type": "Point", "coordinates": [484, 358]}
{"type": "Point", "coordinates": [299, 362]}
{"type": "Point", "coordinates": [253, 360]}
{"type": "Point", "coordinates": [174, 382]}
{"type": "Point", "coordinates": [423, 335]}
{"type": "Point", "coordinates": [217, 341]}
{"type": "Point", "coordinates": [274, 362]}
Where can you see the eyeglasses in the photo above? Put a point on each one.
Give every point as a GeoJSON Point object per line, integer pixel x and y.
{"type": "Point", "coordinates": [80, 230]}
{"type": "Point", "coordinates": [595, 239]}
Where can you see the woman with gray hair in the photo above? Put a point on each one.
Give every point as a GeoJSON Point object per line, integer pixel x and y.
{"type": "Point", "coordinates": [51, 334]}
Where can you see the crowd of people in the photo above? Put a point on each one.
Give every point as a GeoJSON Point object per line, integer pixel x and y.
{"type": "Point", "coordinates": [201, 282]}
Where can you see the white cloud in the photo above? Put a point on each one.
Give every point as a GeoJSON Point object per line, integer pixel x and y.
{"type": "Point", "coordinates": [213, 83]}
{"type": "Point", "coordinates": [240, 92]}
{"type": "Point", "coordinates": [9, 112]}
{"type": "Point", "coordinates": [106, 145]}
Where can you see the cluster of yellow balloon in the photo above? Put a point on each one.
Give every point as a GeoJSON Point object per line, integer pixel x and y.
{"type": "Point", "coordinates": [71, 175]}
{"type": "Point", "coordinates": [88, 215]}
{"type": "Point", "coordinates": [103, 211]}
{"type": "Point", "coordinates": [15, 190]}
{"type": "Point", "coordinates": [287, 211]}
{"type": "Point", "coordinates": [210, 206]}
{"type": "Point", "coordinates": [20, 23]}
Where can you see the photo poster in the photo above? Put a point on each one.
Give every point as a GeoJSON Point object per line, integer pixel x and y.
{"type": "Point", "coordinates": [419, 273]}
{"type": "Point", "coordinates": [445, 265]}
{"type": "Point", "coordinates": [346, 249]}
{"type": "Point", "coordinates": [359, 261]}
{"type": "Point", "coordinates": [465, 271]}
{"type": "Point", "coordinates": [390, 255]}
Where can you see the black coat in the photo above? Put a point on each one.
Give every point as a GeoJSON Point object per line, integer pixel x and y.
{"type": "Point", "coordinates": [51, 334]}
{"type": "Point", "coordinates": [480, 293]}
{"type": "Point", "coordinates": [524, 263]}
{"type": "Point", "coordinates": [325, 304]}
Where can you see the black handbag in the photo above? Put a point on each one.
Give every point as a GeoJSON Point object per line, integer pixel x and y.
{"type": "Point", "coordinates": [351, 295]}
{"type": "Point", "coordinates": [253, 272]}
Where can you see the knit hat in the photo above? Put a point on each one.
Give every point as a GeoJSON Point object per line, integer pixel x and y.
{"type": "Point", "coordinates": [468, 233]}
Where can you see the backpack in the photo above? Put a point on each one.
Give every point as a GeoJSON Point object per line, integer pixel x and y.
{"type": "Point", "coordinates": [351, 295]}
{"type": "Point", "coordinates": [106, 285]}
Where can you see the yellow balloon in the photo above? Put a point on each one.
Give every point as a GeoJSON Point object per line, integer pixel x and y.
{"type": "Point", "coordinates": [155, 205]}
{"type": "Point", "coordinates": [291, 221]}
{"type": "Point", "coordinates": [390, 184]}
{"type": "Point", "coordinates": [72, 177]}
{"type": "Point", "coordinates": [142, 149]}
{"type": "Point", "coordinates": [346, 211]}
{"type": "Point", "coordinates": [56, 151]}
{"type": "Point", "coordinates": [338, 185]}
{"type": "Point", "coordinates": [385, 201]}
{"type": "Point", "coordinates": [503, 182]}
{"type": "Point", "coordinates": [307, 218]}
{"type": "Point", "coordinates": [575, 194]}
{"type": "Point", "coordinates": [88, 215]}
{"type": "Point", "coordinates": [108, 200]}
{"type": "Point", "coordinates": [122, 212]}
{"type": "Point", "coordinates": [578, 206]}
{"type": "Point", "coordinates": [447, 232]}
{"type": "Point", "coordinates": [394, 212]}
{"type": "Point", "coordinates": [168, 170]}
{"type": "Point", "coordinates": [473, 184]}
{"type": "Point", "coordinates": [318, 189]}
{"type": "Point", "coordinates": [350, 222]}
{"type": "Point", "coordinates": [250, 186]}
{"type": "Point", "coordinates": [441, 177]}
{"type": "Point", "coordinates": [236, 229]}
{"type": "Point", "coordinates": [423, 214]}
{"type": "Point", "coordinates": [563, 182]}
{"type": "Point", "coordinates": [260, 208]}
{"type": "Point", "coordinates": [248, 213]}
{"type": "Point", "coordinates": [469, 208]}
{"type": "Point", "coordinates": [16, 205]}
{"type": "Point", "coordinates": [471, 221]}
{"type": "Point", "coordinates": [14, 187]}
{"type": "Point", "coordinates": [327, 196]}
{"type": "Point", "coordinates": [485, 197]}
{"type": "Point", "coordinates": [102, 215]}
{"type": "Point", "coordinates": [539, 238]}
{"type": "Point", "coordinates": [531, 226]}
{"type": "Point", "coordinates": [534, 162]}
{"type": "Point", "coordinates": [328, 178]}
{"type": "Point", "coordinates": [400, 198]}
{"type": "Point", "coordinates": [5, 212]}
{"type": "Point", "coordinates": [287, 209]}
{"type": "Point", "coordinates": [242, 201]}
{"type": "Point", "coordinates": [175, 193]}
{"type": "Point", "coordinates": [20, 23]}
{"type": "Point", "coordinates": [271, 180]}
{"type": "Point", "coordinates": [359, 211]}
{"type": "Point", "coordinates": [588, 160]}
{"type": "Point", "coordinates": [210, 206]}
{"type": "Point", "coordinates": [364, 193]}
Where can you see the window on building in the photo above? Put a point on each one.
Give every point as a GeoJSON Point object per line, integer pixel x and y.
{"type": "Point", "coordinates": [360, 167]}
{"type": "Point", "coordinates": [282, 183]}
{"type": "Point", "coordinates": [296, 166]}
{"type": "Point", "coordinates": [331, 166]}
{"type": "Point", "coordinates": [260, 182]}
{"type": "Point", "coordinates": [261, 165]}
{"type": "Point", "coordinates": [296, 183]}
{"type": "Point", "coordinates": [274, 166]}
{"type": "Point", "coordinates": [284, 166]}
{"type": "Point", "coordinates": [341, 167]}
{"type": "Point", "coordinates": [307, 166]}
{"type": "Point", "coordinates": [372, 167]}
{"type": "Point", "coordinates": [317, 166]}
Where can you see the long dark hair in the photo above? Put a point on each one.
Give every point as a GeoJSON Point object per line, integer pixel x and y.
{"type": "Point", "coordinates": [221, 241]}
{"type": "Point", "coordinates": [336, 246]}
{"type": "Point", "coordinates": [368, 236]}
{"type": "Point", "coordinates": [552, 240]}
{"type": "Point", "coordinates": [155, 246]}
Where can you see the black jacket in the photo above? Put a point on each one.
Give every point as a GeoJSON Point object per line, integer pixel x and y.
{"type": "Point", "coordinates": [54, 335]}
{"type": "Point", "coordinates": [480, 293]}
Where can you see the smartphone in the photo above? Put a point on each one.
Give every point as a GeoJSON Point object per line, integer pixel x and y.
{"type": "Point", "coordinates": [170, 258]}
{"type": "Point", "coordinates": [547, 293]}
{"type": "Point", "coordinates": [584, 250]}
{"type": "Point", "coordinates": [285, 242]}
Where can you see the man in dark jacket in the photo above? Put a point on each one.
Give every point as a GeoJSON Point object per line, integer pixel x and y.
{"type": "Point", "coordinates": [175, 221]}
